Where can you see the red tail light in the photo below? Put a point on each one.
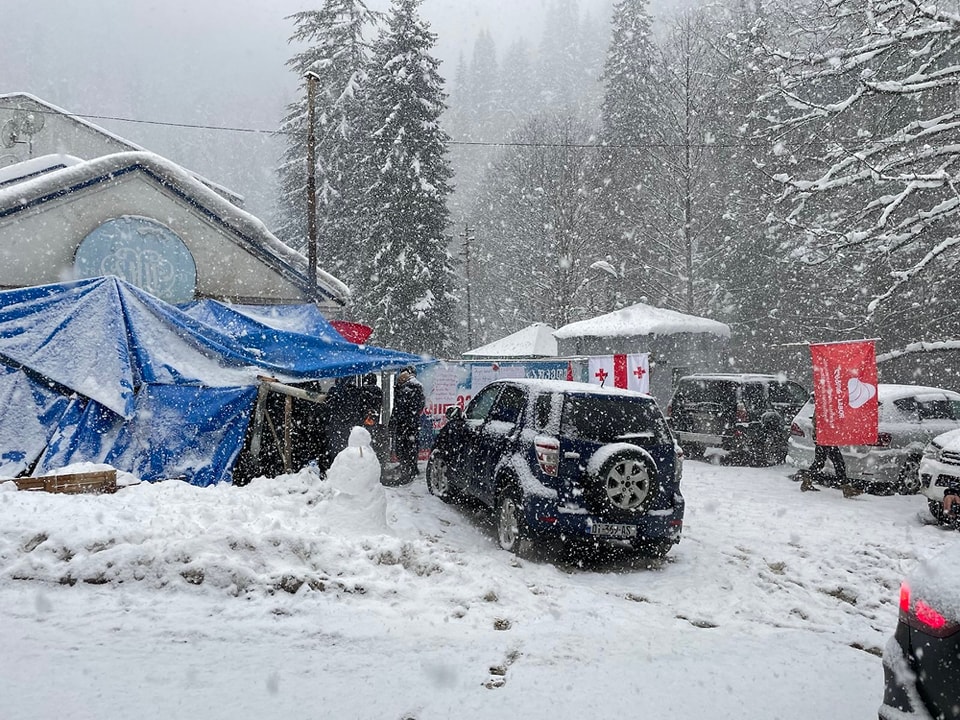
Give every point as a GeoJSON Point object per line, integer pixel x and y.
{"type": "Point", "coordinates": [796, 430]}
{"type": "Point", "coordinates": [742, 415]}
{"type": "Point", "coordinates": [924, 617]}
{"type": "Point", "coordinates": [883, 440]}
{"type": "Point", "coordinates": [548, 454]}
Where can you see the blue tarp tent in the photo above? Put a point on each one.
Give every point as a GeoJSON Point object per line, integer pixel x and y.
{"type": "Point", "coordinates": [100, 371]}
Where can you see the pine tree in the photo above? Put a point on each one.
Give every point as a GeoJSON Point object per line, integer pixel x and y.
{"type": "Point", "coordinates": [407, 295]}
{"type": "Point", "coordinates": [338, 54]}
{"type": "Point", "coordinates": [560, 57]}
{"type": "Point", "coordinates": [631, 133]}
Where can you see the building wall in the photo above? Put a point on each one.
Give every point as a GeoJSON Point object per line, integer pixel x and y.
{"type": "Point", "coordinates": [64, 135]}
{"type": "Point", "coordinates": [59, 134]}
{"type": "Point", "coordinates": [37, 245]}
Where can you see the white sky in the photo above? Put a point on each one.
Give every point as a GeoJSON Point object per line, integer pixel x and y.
{"type": "Point", "coordinates": [215, 62]}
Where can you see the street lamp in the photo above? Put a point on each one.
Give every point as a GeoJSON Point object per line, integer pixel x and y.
{"type": "Point", "coordinates": [311, 78]}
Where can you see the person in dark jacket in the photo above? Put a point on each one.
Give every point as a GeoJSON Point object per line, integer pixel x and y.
{"type": "Point", "coordinates": [408, 404]}
{"type": "Point", "coordinates": [371, 397]}
{"type": "Point", "coordinates": [371, 401]}
{"type": "Point", "coordinates": [345, 411]}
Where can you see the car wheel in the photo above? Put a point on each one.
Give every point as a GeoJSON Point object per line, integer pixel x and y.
{"type": "Point", "coordinates": [438, 478]}
{"type": "Point", "coordinates": [628, 481]}
{"type": "Point", "coordinates": [909, 480]}
{"type": "Point", "coordinates": [936, 509]}
{"type": "Point", "coordinates": [511, 525]}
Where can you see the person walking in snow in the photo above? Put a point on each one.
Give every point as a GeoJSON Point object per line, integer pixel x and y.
{"type": "Point", "coordinates": [408, 404]}
{"type": "Point", "coordinates": [822, 453]}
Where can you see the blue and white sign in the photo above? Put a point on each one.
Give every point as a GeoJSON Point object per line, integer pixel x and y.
{"type": "Point", "coordinates": [143, 252]}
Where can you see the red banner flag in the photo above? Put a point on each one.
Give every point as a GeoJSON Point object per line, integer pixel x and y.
{"type": "Point", "coordinates": [845, 393]}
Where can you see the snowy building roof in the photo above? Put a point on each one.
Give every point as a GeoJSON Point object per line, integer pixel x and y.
{"type": "Point", "coordinates": [235, 249]}
{"type": "Point", "coordinates": [642, 319]}
{"type": "Point", "coordinates": [41, 128]}
{"type": "Point", "coordinates": [537, 340]}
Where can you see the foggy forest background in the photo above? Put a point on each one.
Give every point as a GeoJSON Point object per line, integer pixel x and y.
{"type": "Point", "coordinates": [787, 167]}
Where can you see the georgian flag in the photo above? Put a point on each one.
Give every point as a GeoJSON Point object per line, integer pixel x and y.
{"type": "Point", "coordinates": [630, 372]}
{"type": "Point", "coordinates": [638, 372]}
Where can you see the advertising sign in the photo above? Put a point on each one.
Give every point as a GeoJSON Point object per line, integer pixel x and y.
{"type": "Point", "coordinates": [845, 393]}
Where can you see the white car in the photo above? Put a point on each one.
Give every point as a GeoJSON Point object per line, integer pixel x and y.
{"type": "Point", "coordinates": [910, 416]}
{"type": "Point", "coordinates": [940, 469]}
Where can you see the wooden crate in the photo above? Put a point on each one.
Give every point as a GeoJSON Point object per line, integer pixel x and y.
{"type": "Point", "coordinates": [97, 481]}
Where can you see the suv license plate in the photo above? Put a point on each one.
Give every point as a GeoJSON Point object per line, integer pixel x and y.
{"type": "Point", "coordinates": [613, 530]}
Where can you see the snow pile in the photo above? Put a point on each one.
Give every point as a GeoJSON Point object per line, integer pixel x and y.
{"type": "Point", "coordinates": [166, 596]}
{"type": "Point", "coordinates": [275, 534]}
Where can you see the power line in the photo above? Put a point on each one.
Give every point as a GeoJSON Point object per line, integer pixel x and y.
{"type": "Point", "coordinates": [468, 143]}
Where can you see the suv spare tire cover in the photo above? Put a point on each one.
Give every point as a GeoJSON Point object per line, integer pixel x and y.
{"type": "Point", "coordinates": [772, 420]}
{"type": "Point", "coordinates": [627, 476]}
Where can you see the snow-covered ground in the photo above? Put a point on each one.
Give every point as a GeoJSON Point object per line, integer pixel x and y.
{"type": "Point", "coordinates": [301, 598]}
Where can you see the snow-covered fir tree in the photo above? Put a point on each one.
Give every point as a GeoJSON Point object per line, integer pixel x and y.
{"type": "Point", "coordinates": [407, 294]}
{"type": "Point", "coordinates": [631, 137]}
{"type": "Point", "coordinates": [337, 53]}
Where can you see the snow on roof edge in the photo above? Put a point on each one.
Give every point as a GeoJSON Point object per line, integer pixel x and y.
{"type": "Point", "coordinates": [19, 195]}
{"type": "Point", "coordinates": [526, 342]}
{"type": "Point", "coordinates": [642, 319]}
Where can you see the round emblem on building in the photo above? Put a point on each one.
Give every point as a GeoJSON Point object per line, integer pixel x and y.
{"type": "Point", "coordinates": [143, 252]}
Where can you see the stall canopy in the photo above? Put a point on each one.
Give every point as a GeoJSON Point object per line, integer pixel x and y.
{"type": "Point", "coordinates": [100, 371]}
{"type": "Point", "coordinates": [536, 340]}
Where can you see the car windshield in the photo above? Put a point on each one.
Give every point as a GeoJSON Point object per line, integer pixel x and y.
{"type": "Point", "coordinates": [608, 419]}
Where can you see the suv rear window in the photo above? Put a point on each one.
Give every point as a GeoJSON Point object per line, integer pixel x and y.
{"type": "Point", "coordinates": [787, 393]}
{"type": "Point", "coordinates": [608, 419]}
{"type": "Point", "coordinates": [722, 392]}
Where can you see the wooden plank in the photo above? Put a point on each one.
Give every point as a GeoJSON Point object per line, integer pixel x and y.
{"type": "Point", "coordinates": [29, 483]}
{"type": "Point", "coordinates": [100, 481]}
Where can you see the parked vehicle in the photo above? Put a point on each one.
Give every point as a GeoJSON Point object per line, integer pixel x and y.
{"type": "Point", "coordinates": [921, 662]}
{"type": "Point", "coordinates": [939, 470]}
{"type": "Point", "coordinates": [909, 417]}
{"type": "Point", "coordinates": [747, 415]}
{"type": "Point", "coordinates": [565, 460]}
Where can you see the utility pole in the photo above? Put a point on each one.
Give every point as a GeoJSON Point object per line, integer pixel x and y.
{"type": "Point", "coordinates": [312, 78]}
{"type": "Point", "coordinates": [468, 235]}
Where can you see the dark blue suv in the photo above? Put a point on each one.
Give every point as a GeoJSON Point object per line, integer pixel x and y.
{"type": "Point", "coordinates": [569, 460]}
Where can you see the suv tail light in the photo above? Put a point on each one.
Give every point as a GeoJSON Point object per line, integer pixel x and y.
{"type": "Point", "coordinates": [924, 617]}
{"type": "Point", "coordinates": [548, 454]}
{"type": "Point", "coordinates": [883, 440]}
{"type": "Point", "coordinates": [742, 415]}
{"type": "Point", "coordinates": [796, 430]}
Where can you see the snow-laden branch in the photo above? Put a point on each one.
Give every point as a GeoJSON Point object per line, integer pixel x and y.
{"type": "Point", "coordinates": [918, 347]}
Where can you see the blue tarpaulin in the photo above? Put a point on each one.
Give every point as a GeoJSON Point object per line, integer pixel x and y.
{"type": "Point", "coordinates": [100, 371]}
